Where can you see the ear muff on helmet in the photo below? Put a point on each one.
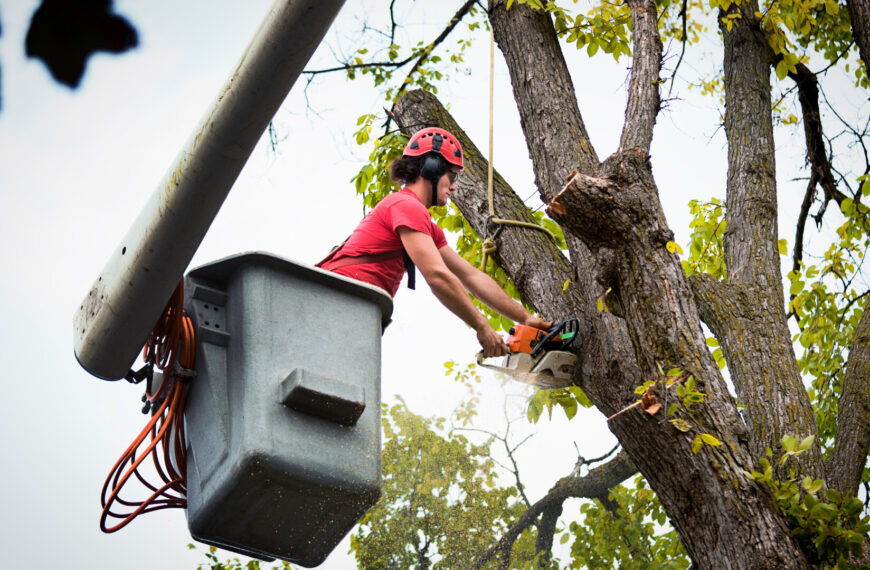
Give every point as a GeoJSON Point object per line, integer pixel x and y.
{"type": "Point", "coordinates": [432, 169]}
{"type": "Point", "coordinates": [433, 166]}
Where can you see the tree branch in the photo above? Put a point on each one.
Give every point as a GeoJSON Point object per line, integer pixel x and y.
{"type": "Point", "coordinates": [643, 89]}
{"type": "Point", "coordinates": [684, 40]}
{"type": "Point", "coordinates": [751, 251]}
{"type": "Point", "coordinates": [457, 17]}
{"type": "Point", "coordinates": [809, 198]}
{"type": "Point", "coordinates": [594, 485]}
{"type": "Point", "coordinates": [418, 57]}
{"type": "Point", "coordinates": [817, 154]}
{"type": "Point", "coordinates": [846, 465]}
{"type": "Point", "coordinates": [544, 94]}
{"type": "Point", "coordinates": [547, 530]}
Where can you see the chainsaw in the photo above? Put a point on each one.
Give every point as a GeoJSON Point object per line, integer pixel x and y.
{"type": "Point", "coordinates": [538, 357]}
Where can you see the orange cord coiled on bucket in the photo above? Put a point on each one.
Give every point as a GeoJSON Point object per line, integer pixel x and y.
{"type": "Point", "coordinates": [171, 342]}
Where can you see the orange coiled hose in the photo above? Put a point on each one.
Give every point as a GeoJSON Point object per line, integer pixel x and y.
{"type": "Point", "coordinates": [171, 342]}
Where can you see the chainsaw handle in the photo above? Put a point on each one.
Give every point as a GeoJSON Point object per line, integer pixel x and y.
{"type": "Point", "coordinates": [571, 325]}
{"type": "Point", "coordinates": [568, 326]}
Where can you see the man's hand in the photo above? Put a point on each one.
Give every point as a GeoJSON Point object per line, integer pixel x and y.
{"type": "Point", "coordinates": [538, 323]}
{"type": "Point", "coordinates": [492, 343]}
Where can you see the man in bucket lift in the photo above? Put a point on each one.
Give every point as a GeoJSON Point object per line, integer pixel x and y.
{"type": "Point", "coordinates": [399, 234]}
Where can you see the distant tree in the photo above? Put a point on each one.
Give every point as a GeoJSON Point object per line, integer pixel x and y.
{"type": "Point", "coordinates": [442, 505]}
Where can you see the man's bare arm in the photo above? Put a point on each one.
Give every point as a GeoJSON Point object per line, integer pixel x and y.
{"type": "Point", "coordinates": [448, 289]}
{"type": "Point", "coordinates": [488, 291]}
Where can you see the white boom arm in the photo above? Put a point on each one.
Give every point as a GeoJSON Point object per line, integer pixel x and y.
{"type": "Point", "coordinates": [122, 306]}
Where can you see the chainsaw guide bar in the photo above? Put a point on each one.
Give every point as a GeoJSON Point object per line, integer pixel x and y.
{"type": "Point", "coordinates": [553, 369]}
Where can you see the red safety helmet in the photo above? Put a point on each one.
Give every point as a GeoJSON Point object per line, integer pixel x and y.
{"type": "Point", "coordinates": [434, 139]}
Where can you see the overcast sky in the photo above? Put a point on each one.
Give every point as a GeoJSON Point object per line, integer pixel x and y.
{"type": "Point", "coordinates": [76, 166]}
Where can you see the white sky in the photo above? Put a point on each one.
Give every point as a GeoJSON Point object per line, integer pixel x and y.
{"type": "Point", "coordinates": [75, 167]}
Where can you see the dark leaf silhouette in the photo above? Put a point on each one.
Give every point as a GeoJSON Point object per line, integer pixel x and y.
{"type": "Point", "coordinates": [64, 34]}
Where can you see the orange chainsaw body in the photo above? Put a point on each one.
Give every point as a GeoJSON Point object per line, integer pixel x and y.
{"type": "Point", "coordinates": [523, 338]}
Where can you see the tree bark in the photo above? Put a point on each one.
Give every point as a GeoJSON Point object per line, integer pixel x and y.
{"type": "Point", "coordinates": [765, 374]}
{"type": "Point", "coordinates": [547, 104]}
{"type": "Point", "coordinates": [536, 65]}
{"type": "Point", "coordinates": [643, 88]}
{"type": "Point", "coordinates": [859, 12]}
{"type": "Point", "coordinates": [853, 419]}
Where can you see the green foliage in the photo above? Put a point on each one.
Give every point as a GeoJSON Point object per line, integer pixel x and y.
{"type": "Point", "coordinates": [214, 563]}
{"type": "Point", "coordinates": [441, 503]}
{"type": "Point", "coordinates": [798, 25]}
{"type": "Point", "coordinates": [442, 507]}
{"type": "Point", "coordinates": [606, 27]}
{"type": "Point", "coordinates": [631, 533]}
{"type": "Point", "coordinates": [706, 249]}
{"type": "Point", "coordinates": [570, 399]}
{"type": "Point", "coordinates": [683, 385]}
{"type": "Point", "coordinates": [717, 352]}
{"type": "Point", "coordinates": [830, 528]}
{"type": "Point", "coordinates": [372, 182]}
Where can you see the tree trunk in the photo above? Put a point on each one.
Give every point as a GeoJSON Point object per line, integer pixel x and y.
{"type": "Point", "coordinates": [751, 324]}
{"type": "Point", "coordinates": [859, 12]}
{"type": "Point", "coordinates": [853, 426]}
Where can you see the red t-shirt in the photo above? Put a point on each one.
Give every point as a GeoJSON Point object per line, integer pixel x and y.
{"type": "Point", "coordinates": [378, 233]}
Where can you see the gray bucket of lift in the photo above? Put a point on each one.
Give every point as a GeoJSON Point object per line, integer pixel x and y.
{"type": "Point", "coordinates": [283, 416]}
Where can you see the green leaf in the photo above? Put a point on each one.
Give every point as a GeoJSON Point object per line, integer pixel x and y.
{"type": "Point", "coordinates": [783, 246]}
{"type": "Point", "coordinates": [643, 387]}
{"type": "Point", "coordinates": [847, 206]}
{"type": "Point", "coordinates": [570, 407]}
{"type": "Point", "coordinates": [681, 424]}
{"type": "Point", "coordinates": [806, 443]}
